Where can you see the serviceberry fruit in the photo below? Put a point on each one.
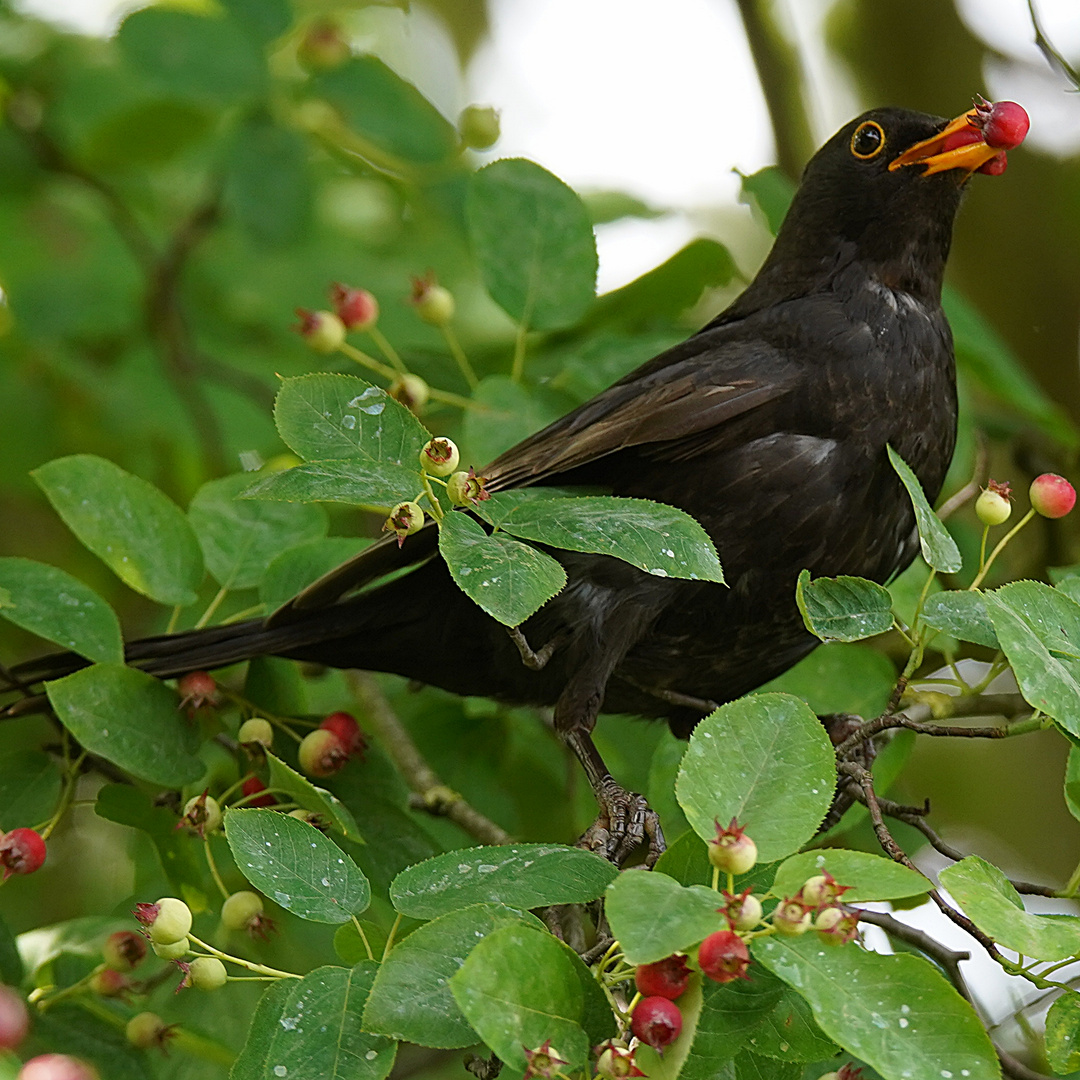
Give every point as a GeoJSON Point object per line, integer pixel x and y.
{"type": "Point", "coordinates": [311, 817]}
{"type": "Point", "coordinates": [724, 957]}
{"type": "Point", "coordinates": [731, 850]}
{"type": "Point", "coordinates": [14, 1018]}
{"type": "Point", "coordinates": [109, 983]}
{"type": "Point", "coordinates": [22, 851]}
{"type": "Point", "coordinates": [202, 814]}
{"type": "Point", "coordinates": [792, 917]}
{"type": "Point", "coordinates": [821, 890]}
{"type": "Point", "coordinates": [206, 973]}
{"type": "Point", "coordinates": [837, 925]}
{"type": "Point", "coordinates": [1004, 124]}
{"type": "Point", "coordinates": [743, 911]}
{"type": "Point", "coordinates": [439, 457]}
{"type": "Point", "coordinates": [405, 519]}
{"type": "Point", "coordinates": [433, 303]}
{"type": "Point", "coordinates": [167, 922]}
{"type": "Point", "coordinates": [411, 391]}
{"type": "Point", "coordinates": [322, 47]}
{"type": "Point", "coordinates": [1052, 495]}
{"type": "Point", "coordinates": [345, 727]}
{"type": "Point", "coordinates": [656, 1021]}
{"type": "Point", "coordinates": [322, 330]}
{"type": "Point", "coordinates": [543, 1062]}
{"type": "Point", "coordinates": [466, 489]}
{"type": "Point", "coordinates": [251, 787]}
{"type": "Point", "coordinates": [356, 308]}
{"type": "Point", "coordinates": [244, 911]}
{"type": "Point", "coordinates": [196, 689]}
{"type": "Point", "coordinates": [256, 734]}
{"type": "Point", "coordinates": [173, 951]}
{"type": "Point", "coordinates": [124, 950]}
{"type": "Point", "coordinates": [322, 753]}
{"type": "Point", "coordinates": [57, 1067]}
{"type": "Point", "coordinates": [147, 1030]}
{"type": "Point", "coordinates": [993, 506]}
{"type": "Point", "coordinates": [615, 1061]}
{"type": "Point", "coordinates": [665, 978]}
{"type": "Point", "coordinates": [478, 126]}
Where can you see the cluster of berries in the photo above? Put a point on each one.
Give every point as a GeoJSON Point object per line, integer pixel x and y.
{"type": "Point", "coordinates": [1050, 495]}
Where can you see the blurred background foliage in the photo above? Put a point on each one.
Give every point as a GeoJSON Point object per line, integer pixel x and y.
{"type": "Point", "coordinates": [169, 196]}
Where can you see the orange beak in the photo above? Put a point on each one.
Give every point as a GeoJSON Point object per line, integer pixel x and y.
{"type": "Point", "coordinates": [959, 146]}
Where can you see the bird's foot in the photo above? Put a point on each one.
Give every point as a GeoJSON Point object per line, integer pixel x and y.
{"type": "Point", "coordinates": [533, 659]}
{"type": "Point", "coordinates": [840, 726]}
{"type": "Point", "coordinates": [625, 822]}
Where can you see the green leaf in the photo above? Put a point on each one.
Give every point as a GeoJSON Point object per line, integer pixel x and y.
{"type": "Point", "coordinates": [312, 1028]}
{"type": "Point", "coordinates": [508, 579]}
{"type": "Point", "coordinates": [841, 677]}
{"type": "Point", "coordinates": [749, 1066]}
{"type": "Point", "coordinates": [533, 242]}
{"type": "Point", "coordinates": [411, 998]}
{"type": "Point", "coordinates": [140, 534]}
{"type": "Point", "coordinates": [296, 866]}
{"type": "Point", "coordinates": [1072, 782]}
{"type": "Point", "coordinates": [963, 615]}
{"type": "Point", "coordinates": [129, 718]}
{"type": "Point", "coordinates": [298, 567]}
{"type": "Point", "coordinates": [766, 761]}
{"type": "Point", "coordinates": [264, 20]}
{"type": "Point", "coordinates": [518, 988]}
{"type": "Point", "coordinates": [843, 608]}
{"type": "Point", "coordinates": [329, 417]}
{"type": "Point", "coordinates": [938, 547]}
{"type": "Point", "coordinates": [607, 206]}
{"type": "Point", "coordinates": [387, 111]}
{"type": "Point", "coordinates": [207, 59]}
{"type": "Point", "coordinates": [67, 1029]}
{"type": "Point", "coordinates": [870, 876]}
{"type": "Point", "coordinates": [267, 188]}
{"type": "Point", "coordinates": [656, 538]}
{"type": "Point", "coordinates": [379, 484]}
{"type": "Point", "coordinates": [1063, 1033]}
{"type": "Point", "coordinates": [144, 134]}
{"type": "Point", "coordinates": [58, 607]}
{"type": "Point", "coordinates": [769, 192]}
{"type": "Point", "coordinates": [29, 787]}
{"type": "Point", "coordinates": [304, 793]}
{"type": "Point", "coordinates": [239, 538]}
{"type": "Point", "coordinates": [790, 1032]}
{"type": "Point", "coordinates": [994, 906]}
{"type": "Point", "coordinates": [1049, 682]}
{"type": "Point", "coordinates": [896, 1013]}
{"type": "Point", "coordinates": [652, 915]}
{"type": "Point", "coordinates": [509, 412]}
{"type": "Point", "coordinates": [11, 966]}
{"type": "Point", "coordinates": [524, 876]}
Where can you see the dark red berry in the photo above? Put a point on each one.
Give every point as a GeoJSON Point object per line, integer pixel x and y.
{"type": "Point", "coordinates": [196, 689]}
{"type": "Point", "coordinates": [22, 851]}
{"type": "Point", "coordinates": [724, 957]}
{"type": "Point", "coordinates": [14, 1018]}
{"type": "Point", "coordinates": [345, 727]}
{"type": "Point", "coordinates": [665, 978]}
{"type": "Point", "coordinates": [1052, 495]}
{"type": "Point", "coordinates": [109, 983]}
{"type": "Point", "coordinates": [252, 786]}
{"type": "Point", "coordinates": [356, 308]}
{"type": "Point", "coordinates": [1005, 125]}
{"type": "Point", "coordinates": [996, 165]}
{"type": "Point", "coordinates": [656, 1021]}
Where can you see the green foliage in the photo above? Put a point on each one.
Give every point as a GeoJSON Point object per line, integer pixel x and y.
{"type": "Point", "coordinates": [938, 547]}
{"type": "Point", "coordinates": [843, 608]}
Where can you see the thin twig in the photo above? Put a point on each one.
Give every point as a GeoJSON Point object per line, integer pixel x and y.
{"type": "Point", "coordinates": [971, 488]}
{"type": "Point", "coordinates": [432, 794]}
{"type": "Point", "coordinates": [948, 958]}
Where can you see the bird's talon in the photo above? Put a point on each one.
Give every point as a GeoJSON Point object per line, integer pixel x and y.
{"type": "Point", "coordinates": [625, 822]}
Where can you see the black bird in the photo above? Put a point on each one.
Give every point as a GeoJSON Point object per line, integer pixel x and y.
{"type": "Point", "coordinates": [769, 426]}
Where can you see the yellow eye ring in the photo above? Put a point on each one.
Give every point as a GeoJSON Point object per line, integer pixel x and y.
{"type": "Point", "coordinates": [868, 140]}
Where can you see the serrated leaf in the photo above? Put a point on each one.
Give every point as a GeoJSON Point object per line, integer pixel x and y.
{"type": "Point", "coordinates": [521, 876]}
{"type": "Point", "coordinates": [129, 718]}
{"type": "Point", "coordinates": [411, 998]}
{"type": "Point", "coordinates": [326, 417]}
{"type": "Point", "coordinates": [508, 579]}
{"type": "Point", "coordinates": [652, 915]}
{"type": "Point", "coordinates": [137, 531]}
{"type": "Point", "coordinates": [304, 793]}
{"type": "Point", "coordinates": [58, 607]}
{"type": "Point", "coordinates": [240, 538]}
{"type": "Point", "coordinates": [296, 866]}
{"type": "Point", "coordinates": [29, 787]}
{"type": "Point", "coordinates": [764, 760]}
{"type": "Point", "coordinates": [995, 907]}
{"type": "Point", "coordinates": [379, 484]}
{"type": "Point", "coordinates": [790, 1033]}
{"type": "Point", "coordinates": [843, 608]}
{"type": "Point", "coordinates": [963, 615]}
{"type": "Point", "coordinates": [656, 538]}
{"type": "Point", "coordinates": [533, 242]}
{"type": "Point", "coordinates": [1072, 782]}
{"type": "Point", "coordinates": [1063, 1033]}
{"type": "Point", "coordinates": [312, 1028]}
{"type": "Point", "coordinates": [938, 547]}
{"type": "Point", "coordinates": [517, 988]}
{"type": "Point", "coordinates": [870, 877]}
{"type": "Point", "coordinates": [896, 1013]}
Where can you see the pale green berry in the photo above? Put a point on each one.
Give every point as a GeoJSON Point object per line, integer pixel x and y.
{"type": "Point", "coordinates": [172, 923]}
{"type": "Point", "coordinates": [173, 951]}
{"type": "Point", "coordinates": [439, 457]}
{"type": "Point", "coordinates": [478, 126]}
{"type": "Point", "coordinates": [240, 909]}
{"type": "Point", "coordinates": [256, 731]}
{"type": "Point", "coordinates": [207, 973]}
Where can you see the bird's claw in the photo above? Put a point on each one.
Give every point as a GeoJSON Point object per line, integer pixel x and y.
{"type": "Point", "coordinates": [625, 821]}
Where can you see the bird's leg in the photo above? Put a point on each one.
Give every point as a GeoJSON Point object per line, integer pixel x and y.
{"type": "Point", "coordinates": [839, 726]}
{"type": "Point", "coordinates": [534, 660]}
{"type": "Point", "coordinates": [674, 697]}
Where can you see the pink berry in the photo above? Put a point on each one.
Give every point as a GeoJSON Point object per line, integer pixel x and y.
{"type": "Point", "coordinates": [356, 308]}
{"type": "Point", "coordinates": [996, 165]}
{"type": "Point", "coordinates": [1052, 495]}
{"type": "Point", "coordinates": [14, 1018]}
{"type": "Point", "coordinates": [252, 786]}
{"type": "Point", "coordinates": [345, 727]}
{"type": "Point", "coordinates": [322, 753]}
{"type": "Point", "coordinates": [22, 851]}
{"type": "Point", "coordinates": [724, 957]}
{"type": "Point", "coordinates": [656, 1021]}
{"type": "Point", "coordinates": [57, 1067]}
{"type": "Point", "coordinates": [196, 689]}
{"type": "Point", "coordinates": [665, 978]}
{"type": "Point", "coordinates": [1005, 126]}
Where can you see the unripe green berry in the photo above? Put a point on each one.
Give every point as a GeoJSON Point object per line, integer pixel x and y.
{"type": "Point", "coordinates": [321, 753]}
{"type": "Point", "coordinates": [147, 1029]}
{"type": "Point", "coordinates": [202, 814]}
{"type": "Point", "coordinates": [256, 732]}
{"type": "Point", "coordinates": [466, 489]}
{"type": "Point", "coordinates": [731, 850]}
{"type": "Point", "coordinates": [791, 918]}
{"type": "Point", "coordinates": [992, 508]}
{"type": "Point", "coordinates": [173, 951]}
{"type": "Point", "coordinates": [478, 126]}
{"type": "Point", "coordinates": [322, 330]}
{"type": "Point", "coordinates": [240, 909]}
{"type": "Point", "coordinates": [310, 817]}
{"type": "Point", "coordinates": [745, 913]}
{"type": "Point", "coordinates": [434, 303]}
{"type": "Point", "coordinates": [124, 950]}
{"type": "Point", "coordinates": [172, 923]}
{"type": "Point", "coordinates": [439, 457]}
{"type": "Point", "coordinates": [207, 973]}
{"type": "Point", "coordinates": [411, 391]}
{"type": "Point", "coordinates": [405, 519]}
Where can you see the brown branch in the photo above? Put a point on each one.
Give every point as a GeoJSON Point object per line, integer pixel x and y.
{"type": "Point", "coordinates": [971, 488]}
{"type": "Point", "coordinates": [430, 793]}
{"type": "Point", "coordinates": [948, 958]}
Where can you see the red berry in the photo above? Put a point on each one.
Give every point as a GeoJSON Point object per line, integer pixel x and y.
{"type": "Point", "coordinates": [196, 689]}
{"type": "Point", "coordinates": [1052, 495]}
{"type": "Point", "coordinates": [996, 165]}
{"type": "Point", "coordinates": [356, 308]}
{"type": "Point", "coordinates": [124, 950]}
{"type": "Point", "coordinates": [345, 727]}
{"type": "Point", "coordinates": [322, 753]}
{"type": "Point", "coordinates": [252, 786]}
{"type": "Point", "coordinates": [22, 851]}
{"type": "Point", "coordinates": [656, 1021]}
{"type": "Point", "coordinates": [1005, 124]}
{"type": "Point", "coordinates": [14, 1018]}
{"type": "Point", "coordinates": [109, 983]}
{"type": "Point", "coordinates": [724, 957]}
{"type": "Point", "coordinates": [961, 137]}
{"type": "Point", "coordinates": [57, 1067]}
{"type": "Point", "coordinates": [665, 978]}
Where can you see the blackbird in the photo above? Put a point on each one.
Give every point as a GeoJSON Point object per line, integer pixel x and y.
{"type": "Point", "coordinates": [769, 426]}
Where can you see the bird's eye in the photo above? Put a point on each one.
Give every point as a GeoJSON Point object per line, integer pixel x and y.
{"type": "Point", "coordinates": [868, 140]}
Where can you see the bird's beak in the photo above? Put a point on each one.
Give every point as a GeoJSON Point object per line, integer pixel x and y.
{"type": "Point", "coordinates": [959, 145]}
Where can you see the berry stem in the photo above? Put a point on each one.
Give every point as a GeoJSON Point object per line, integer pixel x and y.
{"type": "Point", "coordinates": [213, 868]}
{"type": "Point", "coordinates": [716, 879]}
{"type": "Point", "coordinates": [436, 507]}
{"type": "Point", "coordinates": [260, 969]}
{"type": "Point", "coordinates": [214, 604]}
{"type": "Point", "coordinates": [362, 358]}
{"type": "Point", "coordinates": [984, 568]}
{"type": "Point", "coordinates": [390, 937]}
{"type": "Point", "coordinates": [982, 545]}
{"type": "Point", "coordinates": [71, 779]}
{"type": "Point", "coordinates": [363, 937]}
{"type": "Point", "coordinates": [731, 883]}
{"type": "Point", "coordinates": [387, 350]}
{"type": "Point", "coordinates": [458, 353]}
{"type": "Point", "coordinates": [174, 618]}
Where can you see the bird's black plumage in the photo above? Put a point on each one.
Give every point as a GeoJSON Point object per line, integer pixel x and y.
{"type": "Point", "coordinates": [769, 426]}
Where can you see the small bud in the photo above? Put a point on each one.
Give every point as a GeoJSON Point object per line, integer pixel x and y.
{"type": "Point", "coordinates": [356, 308]}
{"type": "Point", "coordinates": [993, 506]}
{"type": "Point", "coordinates": [22, 851]}
{"type": "Point", "coordinates": [206, 973]}
{"type": "Point", "coordinates": [322, 330]}
{"type": "Point", "coordinates": [148, 1030]}
{"type": "Point", "coordinates": [791, 917]}
{"type": "Point", "coordinates": [256, 735]}
{"type": "Point", "coordinates": [405, 519]}
{"type": "Point", "coordinates": [197, 689]}
{"type": "Point", "coordinates": [411, 391]}
{"type": "Point", "coordinates": [663, 978]}
{"type": "Point", "coordinates": [656, 1021]}
{"type": "Point", "coordinates": [321, 753]}
{"type": "Point", "coordinates": [345, 727]}
{"type": "Point", "coordinates": [543, 1062]}
{"type": "Point", "coordinates": [202, 815]}
{"type": "Point", "coordinates": [173, 951]}
{"type": "Point", "coordinates": [478, 126]}
{"type": "Point", "coordinates": [743, 911]}
{"type": "Point", "coordinates": [724, 957]}
{"type": "Point", "coordinates": [615, 1061]}
{"type": "Point", "coordinates": [323, 47]}
{"type": "Point", "coordinates": [251, 787]}
{"type": "Point", "coordinates": [168, 921]}
{"type": "Point", "coordinates": [820, 890]}
{"type": "Point", "coordinates": [439, 457]}
{"type": "Point", "coordinates": [433, 303]}
{"type": "Point", "coordinates": [731, 850]}
{"type": "Point", "coordinates": [466, 489]}
{"type": "Point", "coordinates": [124, 950]}
{"type": "Point", "coordinates": [1052, 495]}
